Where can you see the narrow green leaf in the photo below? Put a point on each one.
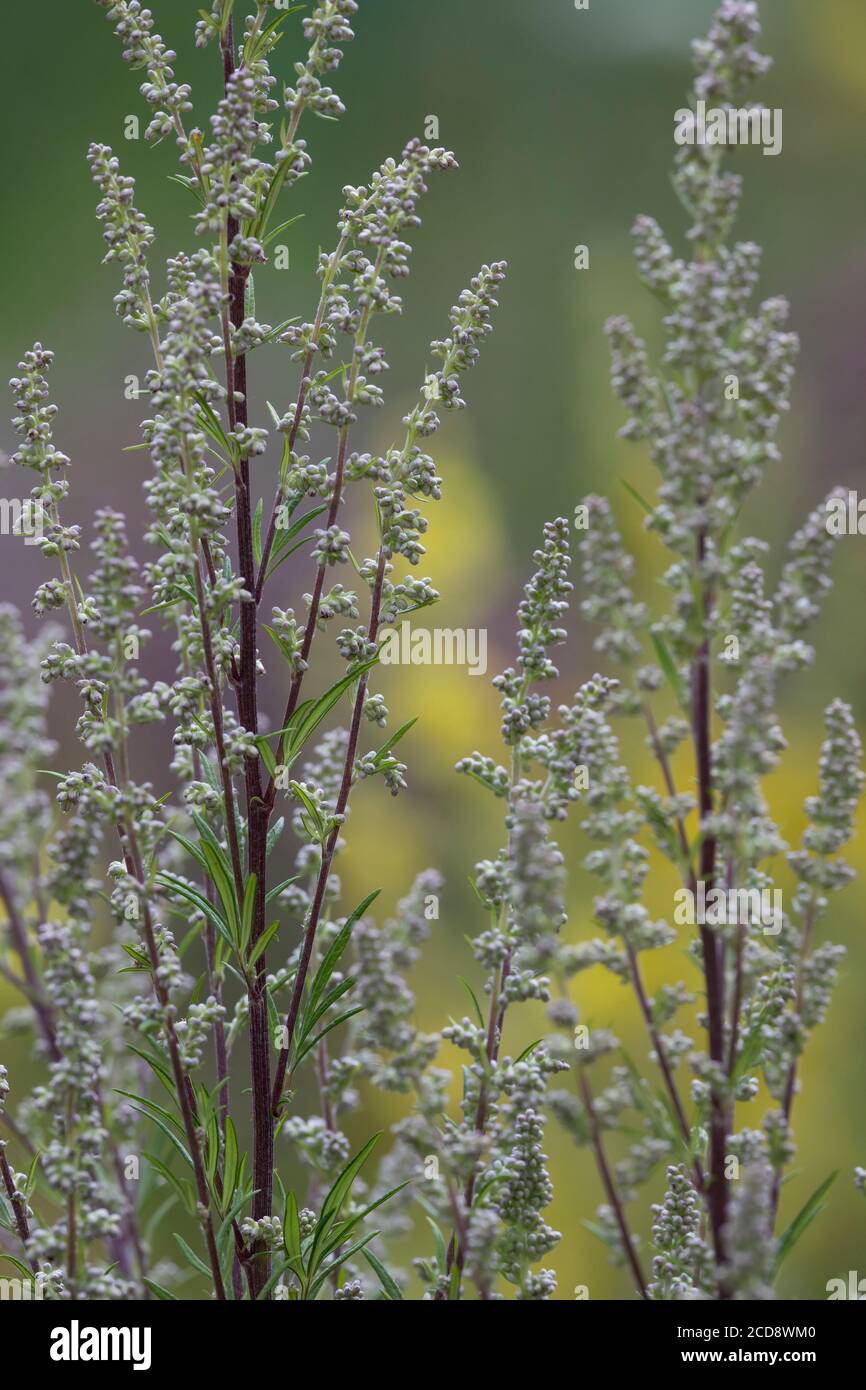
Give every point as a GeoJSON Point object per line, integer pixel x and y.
{"type": "Point", "coordinates": [182, 1188]}
{"type": "Point", "coordinates": [395, 738]}
{"type": "Point", "coordinates": [212, 1150]}
{"type": "Point", "coordinates": [211, 425]}
{"type": "Point", "coordinates": [441, 1251]}
{"type": "Point", "coordinates": [344, 1183]}
{"type": "Point", "coordinates": [327, 1270]}
{"type": "Point", "coordinates": [668, 666]}
{"type": "Point", "coordinates": [314, 823]}
{"type": "Point", "coordinates": [137, 955]}
{"type": "Point", "coordinates": [157, 1110]}
{"type": "Point", "coordinates": [389, 1284]}
{"type": "Point", "coordinates": [803, 1220]}
{"type": "Point", "coordinates": [753, 1045]}
{"type": "Point", "coordinates": [262, 944]}
{"type": "Point", "coordinates": [291, 1227]}
{"type": "Point", "coordinates": [641, 501]}
{"type": "Point", "coordinates": [280, 888]}
{"type": "Point", "coordinates": [169, 1133]}
{"type": "Point", "coordinates": [274, 834]}
{"type": "Point", "coordinates": [475, 1004]}
{"type": "Point", "coordinates": [332, 956]}
{"type": "Point", "coordinates": [230, 1162]}
{"type": "Point", "coordinates": [31, 1174]}
{"type": "Point", "coordinates": [247, 910]}
{"type": "Point", "coordinates": [284, 1268]}
{"type": "Point", "coordinates": [159, 1215]}
{"type": "Point", "coordinates": [157, 1066]}
{"type": "Point", "coordinates": [329, 1001]}
{"type": "Point", "coordinates": [307, 1047]}
{"type": "Point", "coordinates": [300, 731]}
{"type": "Point", "coordinates": [283, 227]}
{"type": "Point", "coordinates": [224, 884]}
{"type": "Point", "coordinates": [192, 1256]}
{"type": "Point", "coordinates": [344, 1228]}
{"type": "Point", "coordinates": [266, 754]}
{"type": "Point", "coordinates": [231, 1215]}
{"type": "Point", "coordinates": [198, 900]}
{"type": "Point", "coordinates": [159, 1292]}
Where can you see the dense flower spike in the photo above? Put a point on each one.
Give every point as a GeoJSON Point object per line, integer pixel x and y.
{"type": "Point", "coordinates": [709, 412]}
{"type": "Point", "coordinates": [192, 868]}
{"type": "Point", "coordinates": [127, 235]}
{"type": "Point", "coordinates": [144, 49]}
{"type": "Point", "coordinates": [498, 1179]}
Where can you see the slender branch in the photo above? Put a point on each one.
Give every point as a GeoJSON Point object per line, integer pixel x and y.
{"type": "Point", "coordinates": [495, 1017]}
{"type": "Point", "coordinates": [609, 1185]}
{"type": "Point", "coordinates": [313, 615]}
{"type": "Point", "coordinates": [216, 711]}
{"type": "Point", "coordinates": [303, 389]}
{"type": "Point", "coordinates": [791, 1080]}
{"type": "Point", "coordinates": [737, 992]}
{"type": "Point", "coordinates": [670, 786]}
{"type": "Point", "coordinates": [44, 1014]}
{"type": "Point", "coordinates": [71, 1208]}
{"type": "Point", "coordinates": [330, 845]}
{"type": "Point", "coordinates": [658, 1047]}
{"type": "Point", "coordinates": [717, 1194]}
{"type": "Point", "coordinates": [182, 1083]}
{"type": "Point", "coordinates": [333, 512]}
{"type": "Point", "coordinates": [135, 867]}
{"type": "Point", "coordinates": [19, 1206]}
{"type": "Point", "coordinates": [495, 1021]}
{"type": "Point", "coordinates": [247, 696]}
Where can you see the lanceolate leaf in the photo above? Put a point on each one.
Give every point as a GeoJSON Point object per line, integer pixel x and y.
{"type": "Point", "coordinates": [804, 1218]}
{"type": "Point", "coordinates": [390, 1286]}
{"type": "Point", "coordinates": [669, 667]}
{"type": "Point", "coordinates": [159, 1292]}
{"type": "Point", "coordinates": [308, 1045]}
{"type": "Point", "coordinates": [308, 717]}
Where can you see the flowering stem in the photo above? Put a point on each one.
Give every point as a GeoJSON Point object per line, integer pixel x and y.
{"type": "Point", "coordinates": [670, 786]}
{"type": "Point", "coordinates": [495, 1018]}
{"type": "Point", "coordinates": [182, 1084]}
{"type": "Point", "coordinates": [700, 690]}
{"type": "Point", "coordinates": [330, 844]}
{"type": "Point", "coordinates": [257, 815]}
{"type": "Point", "coordinates": [298, 416]}
{"type": "Point", "coordinates": [791, 1081]}
{"type": "Point", "coordinates": [215, 703]}
{"type": "Point", "coordinates": [609, 1185]}
{"type": "Point", "coordinates": [71, 1211]}
{"type": "Point", "coordinates": [658, 1047]}
{"type": "Point", "coordinates": [333, 512]}
{"type": "Point", "coordinates": [19, 1207]}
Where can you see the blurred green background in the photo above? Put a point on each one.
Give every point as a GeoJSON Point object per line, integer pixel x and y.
{"type": "Point", "coordinates": [562, 122]}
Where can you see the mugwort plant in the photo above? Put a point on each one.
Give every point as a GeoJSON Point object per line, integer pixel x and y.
{"type": "Point", "coordinates": [173, 1053]}
{"type": "Point", "coordinates": [709, 413]}
{"type": "Point", "coordinates": [224, 952]}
